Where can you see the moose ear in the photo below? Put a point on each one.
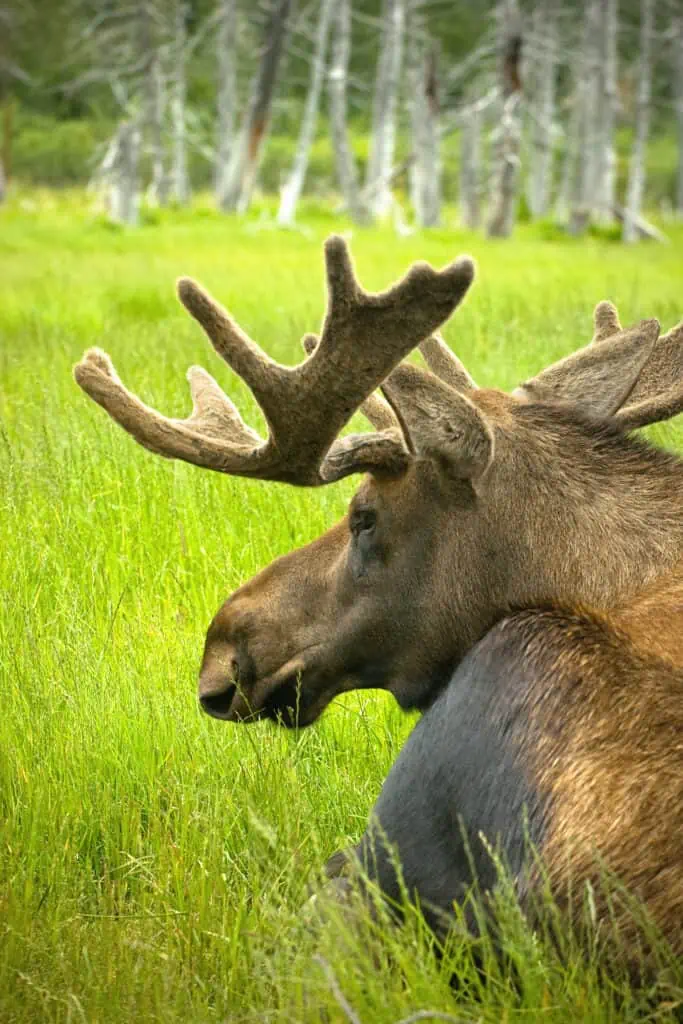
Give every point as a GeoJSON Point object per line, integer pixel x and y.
{"type": "Point", "coordinates": [599, 378]}
{"type": "Point", "coordinates": [438, 421]}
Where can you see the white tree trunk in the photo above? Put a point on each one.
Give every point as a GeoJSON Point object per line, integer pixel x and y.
{"type": "Point", "coordinates": [471, 169]}
{"type": "Point", "coordinates": [346, 166]}
{"type": "Point", "coordinates": [584, 156]}
{"type": "Point", "coordinates": [505, 176]}
{"type": "Point", "coordinates": [636, 176]}
{"type": "Point", "coordinates": [226, 94]}
{"type": "Point", "coordinates": [180, 182]}
{"type": "Point", "coordinates": [678, 100]}
{"type": "Point", "coordinates": [294, 185]}
{"type": "Point", "coordinates": [606, 175]}
{"type": "Point", "coordinates": [154, 100]}
{"type": "Point", "coordinates": [246, 154]}
{"type": "Point", "coordinates": [385, 99]}
{"type": "Point", "coordinates": [543, 110]}
{"type": "Point", "coordinates": [425, 169]}
{"type": "Point", "coordinates": [122, 173]}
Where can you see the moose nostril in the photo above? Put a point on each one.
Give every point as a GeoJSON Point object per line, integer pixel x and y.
{"type": "Point", "coordinates": [218, 704]}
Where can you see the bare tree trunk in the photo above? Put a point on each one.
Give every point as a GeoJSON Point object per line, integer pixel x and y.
{"type": "Point", "coordinates": [346, 167]}
{"type": "Point", "coordinates": [226, 94]}
{"type": "Point", "coordinates": [382, 138]}
{"type": "Point", "coordinates": [425, 169]}
{"type": "Point", "coordinates": [122, 174]}
{"type": "Point", "coordinates": [636, 176]}
{"type": "Point", "coordinates": [245, 158]}
{"type": "Point", "coordinates": [505, 177]}
{"type": "Point", "coordinates": [154, 100]}
{"type": "Point", "coordinates": [605, 186]}
{"type": "Point", "coordinates": [543, 110]}
{"type": "Point", "coordinates": [471, 169]}
{"type": "Point", "coordinates": [582, 189]}
{"type": "Point", "coordinates": [180, 183]}
{"type": "Point", "coordinates": [678, 100]}
{"type": "Point", "coordinates": [295, 183]}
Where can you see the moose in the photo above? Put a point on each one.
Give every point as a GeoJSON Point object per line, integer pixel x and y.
{"type": "Point", "coordinates": [512, 566]}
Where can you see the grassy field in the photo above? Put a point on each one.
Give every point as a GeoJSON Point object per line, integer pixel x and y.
{"type": "Point", "coordinates": [152, 860]}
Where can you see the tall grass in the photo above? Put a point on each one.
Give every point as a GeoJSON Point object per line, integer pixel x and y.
{"type": "Point", "coordinates": [153, 861]}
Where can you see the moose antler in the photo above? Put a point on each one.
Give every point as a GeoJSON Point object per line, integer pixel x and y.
{"type": "Point", "coordinates": [364, 337]}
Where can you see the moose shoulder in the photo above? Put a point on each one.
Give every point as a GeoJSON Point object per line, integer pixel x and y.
{"type": "Point", "coordinates": [475, 504]}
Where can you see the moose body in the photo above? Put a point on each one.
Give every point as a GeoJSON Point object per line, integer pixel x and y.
{"type": "Point", "coordinates": [512, 565]}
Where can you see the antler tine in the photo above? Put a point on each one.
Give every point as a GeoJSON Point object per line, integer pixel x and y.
{"type": "Point", "coordinates": [445, 364]}
{"type": "Point", "coordinates": [364, 337]}
{"type": "Point", "coordinates": [605, 322]}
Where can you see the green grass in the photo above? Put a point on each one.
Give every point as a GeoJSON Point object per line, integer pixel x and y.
{"type": "Point", "coordinates": [153, 861]}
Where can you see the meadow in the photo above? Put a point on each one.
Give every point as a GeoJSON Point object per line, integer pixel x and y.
{"type": "Point", "coordinates": [153, 861]}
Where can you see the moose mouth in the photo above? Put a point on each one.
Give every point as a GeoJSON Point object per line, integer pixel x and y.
{"type": "Point", "coordinates": [281, 699]}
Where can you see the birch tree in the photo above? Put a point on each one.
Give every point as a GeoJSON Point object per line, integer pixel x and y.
{"type": "Point", "coordinates": [470, 168]}
{"type": "Point", "coordinates": [385, 99]}
{"type": "Point", "coordinates": [505, 177]}
{"type": "Point", "coordinates": [584, 142]}
{"type": "Point", "coordinates": [295, 182]}
{"type": "Point", "coordinates": [423, 87]}
{"type": "Point", "coordinates": [226, 94]}
{"type": "Point", "coordinates": [246, 153]}
{"type": "Point", "coordinates": [606, 172]}
{"type": "Point", "coordinates": [678, 101]}
{"type": "Point", "coordinates": [180, 182]}
{"type": "Point", "coordinates": [542, 111]}
{"type": "Point", "coordinates": [347, 174]}
{"type": "Point", "coordinates": [636, 175]}
{"type": "Point", "coordinates": [154, 97]}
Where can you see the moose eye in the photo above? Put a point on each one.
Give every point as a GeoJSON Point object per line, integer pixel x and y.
{"type": "Point", "coordinates": [363, 521]}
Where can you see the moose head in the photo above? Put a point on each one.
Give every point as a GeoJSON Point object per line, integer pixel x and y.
{"type": "Point", "coordinates": [474, 501]}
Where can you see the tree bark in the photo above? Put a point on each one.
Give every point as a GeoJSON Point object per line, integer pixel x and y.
{"type": "Point", "coordinates": [471, 169]}
{"type": "Point", "coordinates": [123, 175]}
{"type": "Point", "coordinates": [636, 177]}
{"type": "Point", "coordinates": [246, 154]}
{"type": "Point", "coordinates": [294, 185]}
{"type": "Point", "coordinates": [678, 100]}
{"type": "Point", "coordinates": [505, 177]}
{"type": "Point", "coordinates": [154, 101]}
{"type": "Point", "coordinates": [347, 175]}
{"type": "Point", "coordinates": [582, 189]}
{"type": "Point", "coordinates": [385, 100]}
{"type": "Point", "coordinates": [543, 110]}
{"type": "Point", "coordinates": [180, 183]}
{"type": "Point", "coordinates": [607, 160]}
{"type": "Point", "coordinates": [423, 86]}
{"type": "Point", "coordinates": [226, 95]}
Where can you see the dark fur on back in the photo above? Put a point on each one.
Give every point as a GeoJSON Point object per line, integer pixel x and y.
{"type": "Point", "coordinates": [556, 730]}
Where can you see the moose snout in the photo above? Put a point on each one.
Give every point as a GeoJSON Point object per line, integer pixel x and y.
{"type": "Point", "coordinates": [218, 680]}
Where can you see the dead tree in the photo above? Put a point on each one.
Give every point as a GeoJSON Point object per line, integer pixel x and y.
{"type": "Point", "coordinates": [119, 173]}
{"type": "Point", "coordinates": [636, 176]}
{"type": "Point", "coordinates": [151, 57]}
{"type": "Point", "coordinates": [542, 110]}
{"type": "Point", "coordinates": [606, 171]}
{"type": "Point", "coordinates": [246, 153]}
{"type": "Point", "coordinates": [385, 100]}
{"type": "Point", "coordinates": [678, 101]}
{"type": "Point", "coordinates": [505, 177]}
{"type": "Point", "coordinates": [583, 144]}
{"type": "Point", "coordinates": [347, 174]}
{"type": "Point", "coordinates": [226, 93]}
{"type": "Point", "coordinates": [180, 182]}
{"type": "Point", "coordinates": [295, 182]}
{"type": "Point", "coordinates": [471, 167]}
{"type": "Point", "coordinates": [423, 89]}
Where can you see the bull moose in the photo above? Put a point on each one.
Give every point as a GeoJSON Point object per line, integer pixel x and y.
{"type": "Point", "coordinates": [512, 565]}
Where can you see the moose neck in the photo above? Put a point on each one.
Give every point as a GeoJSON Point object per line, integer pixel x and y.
{"type": "Point", "coordinates": [602, 525]}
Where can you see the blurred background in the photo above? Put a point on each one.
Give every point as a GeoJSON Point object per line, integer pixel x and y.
{"type": "Point", "coordinates": [418, 112]}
